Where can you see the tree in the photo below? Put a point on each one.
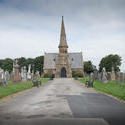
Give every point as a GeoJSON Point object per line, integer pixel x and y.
{"type": "Point", "coordinates": [38, 64]}
{"type": "Point", "coordinates": [110, 61]}
{"type": "Point", "coordinates": [22, 62]}
{"type": "Point", "coordinates": [88, 67]}
{"type": "Point", "coordinates": [6, 64]}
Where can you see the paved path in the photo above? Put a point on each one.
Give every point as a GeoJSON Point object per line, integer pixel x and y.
{"type": "Point", "coordinates": [62, 101]}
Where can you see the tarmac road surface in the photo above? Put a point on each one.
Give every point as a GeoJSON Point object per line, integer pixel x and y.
{"type": "Point", "coordinates": [62, 101]}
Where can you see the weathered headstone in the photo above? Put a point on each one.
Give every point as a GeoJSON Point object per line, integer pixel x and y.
{"type": "Point", "coordinates": [29, 76]}
{"type": "Point", "coordinates": [104, 76]}
{"type": "Point", "coordinates": [1, 77]}
{"type": "Point", "coordinates": [24, 74]}
{"type": "Point", "coordinates": [21, 72]}
{"type": "Point", "coordinates": [86, 75]}
{"type": "Point", "coordinates": [37, 75]}
{"type": "Point", "coordinates": [7, 77]}
{"type": "Point", "coordinates": [108, 76]}
{"type": "Point", "coordinates": [16, 74]}
{"type": "Point", "coordinates": [113, 74]}
{"type": "Point", "coordinates": [118, 77]}
{"type": "Point", "coordinates": [91, 76]}
{"type": "Point", "coordinates": [99, 76]}
{"type": "Point", "coordinates": [121, 77]}
{"type": "Point", "coordinates": [96, 74]}
{"type": "Point", "coordinates": [124, 77]}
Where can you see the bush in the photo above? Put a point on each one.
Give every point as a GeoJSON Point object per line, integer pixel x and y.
{"type": "Point", "coordinates": [47, 75]}
{"type": "Point", "coordinates": [76, 74]}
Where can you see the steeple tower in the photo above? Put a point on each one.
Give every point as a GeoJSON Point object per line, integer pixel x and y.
{"type": "Point", "coordinates": [63, 43]}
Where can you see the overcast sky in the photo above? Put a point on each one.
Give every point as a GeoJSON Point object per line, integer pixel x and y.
{"type": "Point", "coordinates": [28, 28]}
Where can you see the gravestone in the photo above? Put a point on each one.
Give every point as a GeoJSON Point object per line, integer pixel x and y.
{"type": "Point", "coordinates": [4, 77]}
{"type": "Point", "coordinates": [37, 75]}
{"type": "Point", "coordinates": [96, 74]}
{"type": "Point", "coordinates": [16, 74]}
{"type": "Point", "coordinates": [91, 76]}
{"type": "Point", "coordinates": [121, 77]}
{"type": "Point", "coordinates": [104, 76]}
{"type": "Point", "coordinates": [86, 75]}
{"type": "Point", "coordinates": [7, 76]}
{"type": "Point", "coordinates": [21, 72]}
{"type": "Point", "coordinates": [99, 76]}
{"type": "Point", "coordinates": [29, 76]}
{"type": "Point", "coordinates": [113, 74]}
{"type": "Point", "coordinates": [118, 77]}
{"type": "Point", "coordinates": [11, 75]}
{"type": "Point", "coordinates": [124, 77]}
{"type": "Point", "coordinates": [108, 76]}
{"type": "Point", "coordinates": [1, 77]}
{"type": "Point", "coordinates": [24, 74]}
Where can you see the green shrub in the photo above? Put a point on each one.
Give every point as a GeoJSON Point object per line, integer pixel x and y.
{"type": "Point", "coordinates": [47, 75]}
{"type": "Point", "coordinates": [76, 74]}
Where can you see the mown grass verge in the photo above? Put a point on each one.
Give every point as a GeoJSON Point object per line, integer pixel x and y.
{"type": "Point", "coordinates": [12, 88]}
{"type": "Point", "coordinates": [117, 90]}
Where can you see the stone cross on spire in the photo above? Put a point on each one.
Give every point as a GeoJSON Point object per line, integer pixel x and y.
{"type": "Point", "coordinates": [63, 42]}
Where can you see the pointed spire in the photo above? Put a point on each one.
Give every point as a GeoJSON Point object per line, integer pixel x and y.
{"type": "Point", "coordinates": [63, 42]}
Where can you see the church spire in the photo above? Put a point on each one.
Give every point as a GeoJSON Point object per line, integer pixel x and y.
{"type": "Point", "coordinates": [63, 42]}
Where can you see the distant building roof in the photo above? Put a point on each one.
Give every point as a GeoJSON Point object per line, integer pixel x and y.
{"type": "Point", "coordinates": [76, 60]}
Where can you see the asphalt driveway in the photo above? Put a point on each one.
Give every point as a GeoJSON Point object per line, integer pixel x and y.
{"type": "Point", "coordinates": [62, 102]}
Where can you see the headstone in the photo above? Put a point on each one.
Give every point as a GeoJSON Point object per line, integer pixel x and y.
{"type": "Point", "coordinates": [124, 77]}
{"type": "Point", "coordinates": [118, 77]}
{"type": "Point", "coordinates": [108, 76]}
{"type": "Point", "coordinates": [29, 76]}
{"type": "Point", "coordinates": [86, 75]}
{"type": "Point", "coordinates": [113, 74]}
{"type": "Point", "coordinates": [16, 74]}
{"type": "Point", "coordinates": [99, 76]}
{"type": "Point", "coordinates": [24, 74]}
{"type": "Point", "coordinates": [96, 74]}
{"type": "Point", "coordinates": [11, 75]}
{"type": "Point", "coordinates": [104, 76]}
{"type": "Point", "coordinates": [3, 78]}
{"type": "Point", "coordinates": [37, 75]}
{"type": "Point", "coordinates": [91, 76]}
{"type": "Point", "coordinates": [121, 77]}
{"type": "Point", "coordinates": [7, 76]}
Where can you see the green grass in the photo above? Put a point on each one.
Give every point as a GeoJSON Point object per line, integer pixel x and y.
{"type": "Point", "coordinates": [43, 80]}
{"type": "Point", "coordinates": [12, 88]}
{"type": "Point", "coordinates": [83, 80]}
{"type": "Point", "coordinates": [117, 90]}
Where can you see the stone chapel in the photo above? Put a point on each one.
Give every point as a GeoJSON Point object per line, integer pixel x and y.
{"type": "Point", "coordinates": [63, 63]}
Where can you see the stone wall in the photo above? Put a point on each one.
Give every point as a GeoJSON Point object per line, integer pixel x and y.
{"type": "Point", "coordinates": [53, 71]}
{"type": "Point", "coordinates": [49, 71]}
{"type": "Point", "coordinates": [62, 61]}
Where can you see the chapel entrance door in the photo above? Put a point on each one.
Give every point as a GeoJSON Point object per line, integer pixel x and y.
{"type": "Point", "coordinates": [63, 72]}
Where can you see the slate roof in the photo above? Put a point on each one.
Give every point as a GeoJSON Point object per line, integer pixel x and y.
{"type": "Point", "coordinates": [76, 60]}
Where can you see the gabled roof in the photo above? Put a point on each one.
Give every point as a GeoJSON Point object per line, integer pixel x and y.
{"type": "Point", "coordinates": [76, 60]}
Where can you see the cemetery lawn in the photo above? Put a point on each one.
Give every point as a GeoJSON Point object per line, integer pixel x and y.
{"type": "Point", "coordinates": [12, 88]}
{"type": "Point", "coordinates": [117, 90]}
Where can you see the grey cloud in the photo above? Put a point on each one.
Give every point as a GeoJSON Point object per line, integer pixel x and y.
{"type": "Point", "coordinates": [95, 27]}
